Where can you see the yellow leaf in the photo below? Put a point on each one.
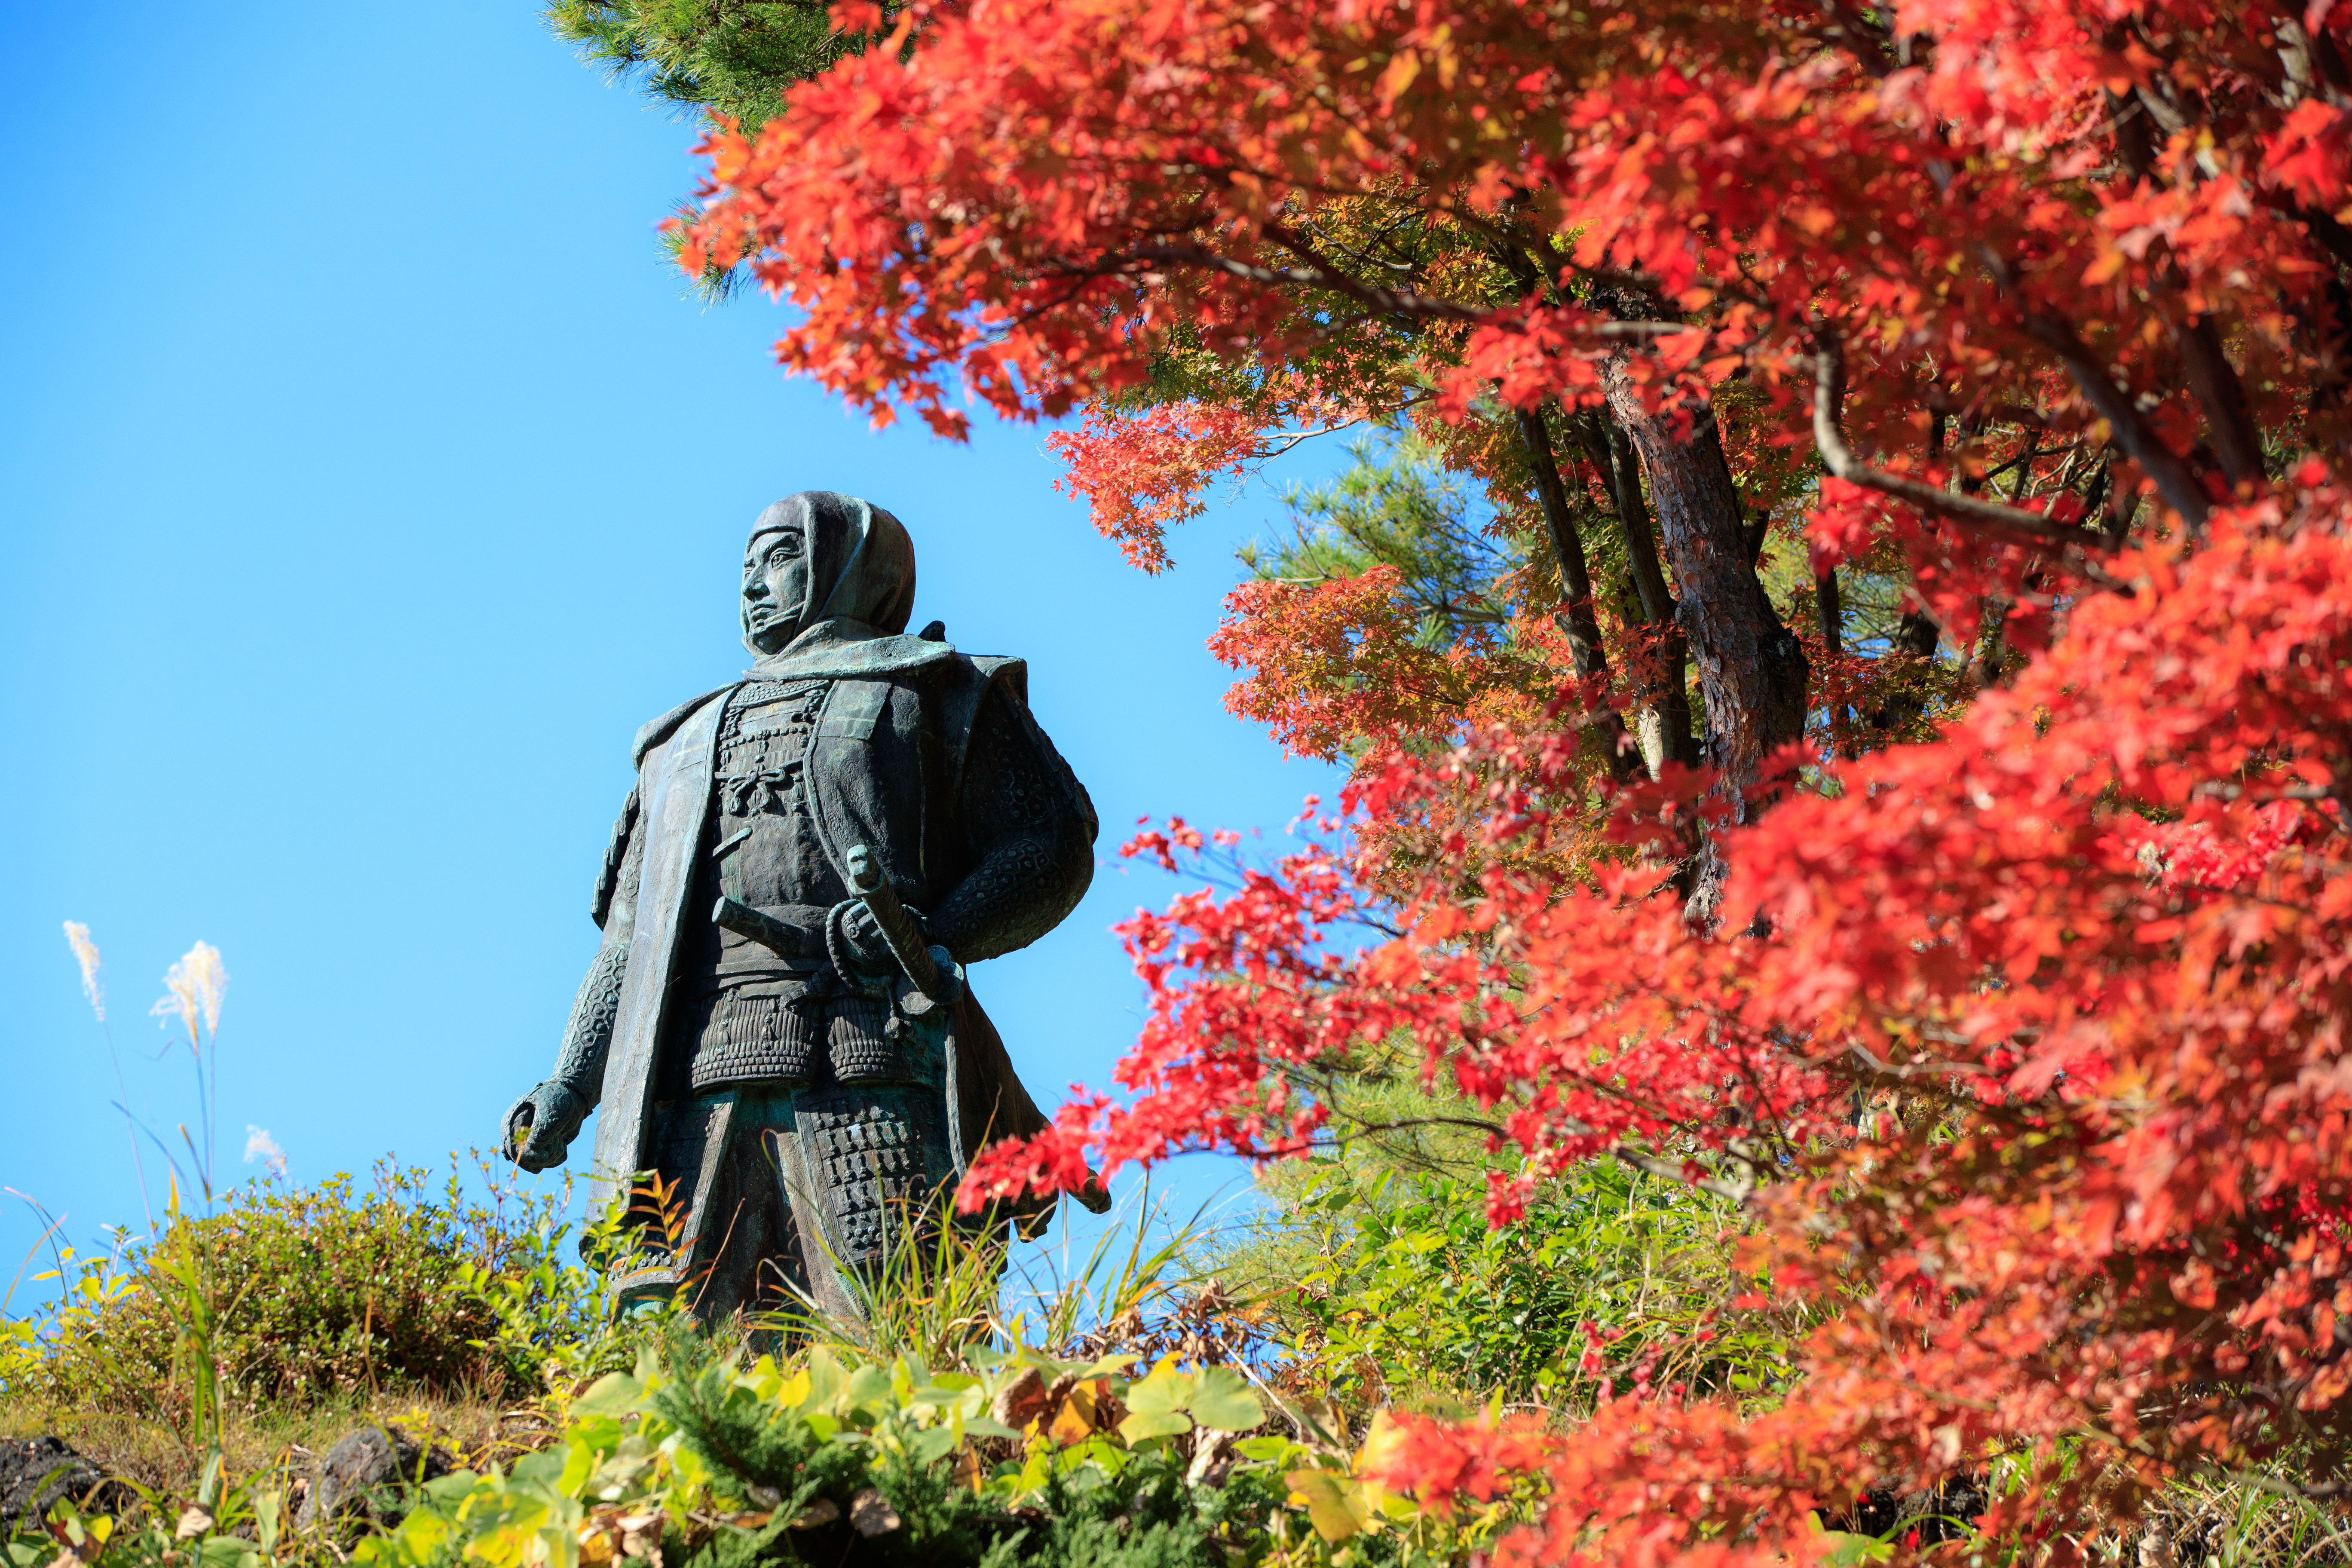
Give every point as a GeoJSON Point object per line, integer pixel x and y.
{"type": "Point", "coordinates": [1813, 218]}
{"type": "Point", "coordinates": [1333, 1503]}
{"type": "Point", "coordinates": [1075, 1421]}
{"type": "Point", "coordinates": [1380, 1444]}
{"type": "Point", "coordinates": [1403, 67]}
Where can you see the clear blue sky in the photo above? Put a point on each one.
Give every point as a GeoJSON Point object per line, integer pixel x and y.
{"type": "Point", "coordinates": [366, 480]}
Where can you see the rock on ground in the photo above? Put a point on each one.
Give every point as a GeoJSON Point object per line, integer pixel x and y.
{"type": "Point", "coordinates": [35, 1472]}
{"type": "Point", "coordinates": [359, 1464]}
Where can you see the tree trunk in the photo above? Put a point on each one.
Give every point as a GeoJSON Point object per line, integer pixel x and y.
{"type": "Point", "coordinates": [1751, 672]}
{"type": "Point", "coordinates": [1578, 618]}
{"type": "Point", "coordinates": [1828, 614]}
{"type": "Point", "coordinates": [1916, 635]}
{"type": "Point", "coordinates": [1664, 722]}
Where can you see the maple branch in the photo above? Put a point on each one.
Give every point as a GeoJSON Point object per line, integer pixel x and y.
{"type": "Point", "coordinates": [2341, 821]}
{"type": "Point", "coordinates": [2013, 525]}
{"type": "Point", "coordinates": [1738, 1191]}
{"type": "Point", "coordinates": [2134, 432]}
{"type": "Point", "coordinates": [2218, 791]}
{"type": "Point", "coordinates": [1976, 414]}
{"type": "Point", "coordinates": [1740, 1150]}
{"type": "Point", "coordinates": [2332, 236]}
{"type": "Point", "coordinates": [1282, 444]}
{"type": "Point", "coordinates": [2213, 381]}
{"type": "Point", "coordinates": [1356, 1128]}
{"type": "Point", "coordinates": [1607, 449]}
{"type": "Point", "coordinates": [1392, 301]}
{"type": "Point", "coordinates": [1324, 274]}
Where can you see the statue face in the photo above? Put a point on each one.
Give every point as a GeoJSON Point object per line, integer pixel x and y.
{"type": "Point", "coordinates": [775, 588]}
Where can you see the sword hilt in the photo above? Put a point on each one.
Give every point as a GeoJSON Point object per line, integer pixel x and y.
{"type": "Point", "coordinates": [897, 927]}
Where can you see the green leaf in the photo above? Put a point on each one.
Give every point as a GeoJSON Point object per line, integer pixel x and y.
{"type": "Point", "coordinates": [1142, 1426]}
{"type": "Point", "coordinates": [1169, 1388]}
{"type": "Point", "coordinates": [544, 1467]}
{"type": "Point", "coordinates": [1224, 1401]}
{"type": "Point", "coordinates": [422, 1535]}
{"type": "Point", "coordinates": [615, 1394]}
{"type": "Point", "coordinates": [869, 1387]}
{"type": "Point", "coordinates": [826, 1378]}
{"type": "Point", "coordinates": [1847, 1550]}
{"type": "Point", "coordinates": [228, 1552]}
{"type": "Point", "coordinates": [932, 1444]}
{"type": "Point", "coordinates": [579, 1464]}
{"type": "Point", "coordinates": [1268, 1450]}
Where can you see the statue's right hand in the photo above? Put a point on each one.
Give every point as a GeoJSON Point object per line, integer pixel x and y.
{"type": "Point", "coordinates": [540, 1125]}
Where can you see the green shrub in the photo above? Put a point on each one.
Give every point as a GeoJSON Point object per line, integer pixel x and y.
{"type": "Point", "coordinates": [1396, 1288]}
{"type": "Point", "coordinates": [985, 1455]}
{"type": "Point", "coordinates": [832, 1458]}
{"type": "Point", "coordinates": [315, 1293]}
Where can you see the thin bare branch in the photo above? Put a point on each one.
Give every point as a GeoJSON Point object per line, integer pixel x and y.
{"type": "Point", "coordinates": [2013, 525]}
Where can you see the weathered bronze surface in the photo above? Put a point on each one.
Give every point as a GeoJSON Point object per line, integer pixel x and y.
{"type": "Point", "coordinates": [778, 1020]}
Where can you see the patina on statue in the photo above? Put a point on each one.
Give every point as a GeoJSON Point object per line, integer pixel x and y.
{"type": "Point", "coordinates": [778, 1020]}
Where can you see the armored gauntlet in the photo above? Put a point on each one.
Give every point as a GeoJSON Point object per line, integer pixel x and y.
{"type": "Point", "coordinates": [542, 1123]}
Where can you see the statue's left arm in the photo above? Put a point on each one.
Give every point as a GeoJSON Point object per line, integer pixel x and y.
{"type": "Point", "coordinates": [542, 1124]}
{"type": "Point", "coordinates": [1032, 844]}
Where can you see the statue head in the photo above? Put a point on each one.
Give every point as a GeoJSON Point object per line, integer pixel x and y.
{"type": "Point", "coordinates": [818, 556]}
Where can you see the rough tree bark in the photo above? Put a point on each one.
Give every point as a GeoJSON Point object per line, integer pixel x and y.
{"type": "Point", "coordinates": [1664, 721]}
{"type": "Point", "coordinates": [1752, 674]}
{"type": "Point", "coordinates": [1578, 618]}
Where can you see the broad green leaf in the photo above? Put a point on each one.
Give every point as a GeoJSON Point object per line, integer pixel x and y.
{"type": "Point", "coordinates": [932, 1444]}
{"type": "Point", "coordinates": [228, 1552]}
{"type": "Point", "coordinates": [602, 1433]}
{"type": "Point", "coordinates": [1271, 1449]}
{"type": "Point", "coordinates": [1224, 1401]}
{"type": "Point", "coordinates": [826, 1380]}
{"type": "Point", "coordinates": [869, 1388]}
{"type": "Point", "coordinates": [615, 1394]}
{"type": "Point", "coordinates": [1168, 1389]}
{"type": "Point", "coordinates": [544, 1468]}
{"type": "Point", "coordinates": [579, 1463]}
{"type": "Point", "coordinates": [1142, 1426]}
{"type": "Point", "coordinates": [939, 1396]}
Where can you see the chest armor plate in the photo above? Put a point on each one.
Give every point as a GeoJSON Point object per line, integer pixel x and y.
{"type": "Point", "coordinates": [762, 1017]}
{"type": "Point", "coordinates": [765, 847]}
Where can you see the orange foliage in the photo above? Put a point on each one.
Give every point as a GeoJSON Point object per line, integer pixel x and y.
{"type": "Point", "coordinates": [2030, 1038]}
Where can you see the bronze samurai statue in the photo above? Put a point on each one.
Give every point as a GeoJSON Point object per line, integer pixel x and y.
{"type": "Point", "coordinates": [778, 1023]}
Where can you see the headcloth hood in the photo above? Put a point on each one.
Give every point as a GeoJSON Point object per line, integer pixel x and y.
{"type": "Point", "coordinates": [861, 591]}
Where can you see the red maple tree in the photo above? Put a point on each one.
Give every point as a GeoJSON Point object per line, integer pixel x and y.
{"type": "Point", "coordinates": [2024, 1040]}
